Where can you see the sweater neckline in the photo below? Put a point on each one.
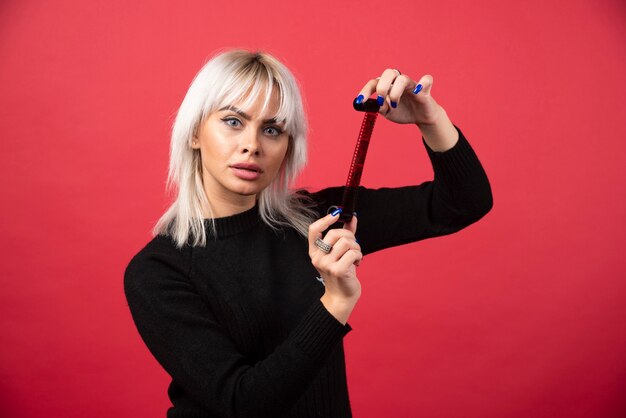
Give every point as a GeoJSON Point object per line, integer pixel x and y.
{"type": "Point", "coordinates": [234, 224]}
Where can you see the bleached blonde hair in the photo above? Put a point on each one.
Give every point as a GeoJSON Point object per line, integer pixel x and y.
{"type": "Point", "coordinates": [230, 77]}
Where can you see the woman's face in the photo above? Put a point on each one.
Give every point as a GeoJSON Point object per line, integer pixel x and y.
{"type": "Point", "coordinates": [241, 153]}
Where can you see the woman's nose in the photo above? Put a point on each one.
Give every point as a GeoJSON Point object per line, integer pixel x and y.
{"type": "Point", "coordinates": [250, 143]}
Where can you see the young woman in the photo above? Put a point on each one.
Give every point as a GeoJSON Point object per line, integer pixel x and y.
{"type": "Point", "coordinates": [244, 294]}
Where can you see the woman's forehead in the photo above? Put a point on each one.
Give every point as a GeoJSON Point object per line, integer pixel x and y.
{"type": "Point", "coordinates": [255, 107]}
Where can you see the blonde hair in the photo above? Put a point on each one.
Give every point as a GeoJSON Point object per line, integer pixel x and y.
{"type": "Point", "coordinates": [226, 79]}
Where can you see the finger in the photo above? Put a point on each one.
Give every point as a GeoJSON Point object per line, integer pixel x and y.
{"type": "Point", "coordinates": [321, 225]}
{"type": "Point", "coordinates": [351, 226]}
{"type": "Point", "coordinates": [368, 89]}
{"type": "Point", "coordinates": [348, 231]}
{"type": "Point", "coordinates": [383, 87]}
{"type": "Point", "coordinates": [387, 78]}
{"type": "Point", "coordinates": [328, 262]}
{"type": "Point", "coordinates": [426, 83]}
{"type": "Point", "coordinates": [348, 259]}
{"type": "Point", "coordinates": [336, 234]}
{"type": "Point", "coordinates": [342, 246]}
{"type": "Point", "coordinates": [400, 85]}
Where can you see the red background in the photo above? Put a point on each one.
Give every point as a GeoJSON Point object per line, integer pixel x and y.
{"type": "Point", "coordinates": [520, 315]}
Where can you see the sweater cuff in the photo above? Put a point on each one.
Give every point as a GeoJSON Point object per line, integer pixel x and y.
{"type": "Point", "coordinates": [319, 332]}
{"type": "Point", "coordinates": [456, 163]}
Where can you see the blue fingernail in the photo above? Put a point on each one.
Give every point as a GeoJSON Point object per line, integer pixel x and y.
{"type": "Point", "coordinates": [359, 99]}
{"type": "Point", "coordinates": [380, 100]}
{"type": "Point", "coordinates": [337, 212]}
{"type": "Point", "coordinates": [394, 104]}
{"type": "Point", "coordinates": [353, 213]}
{"type": "Point", "coordinates": [418, 88]}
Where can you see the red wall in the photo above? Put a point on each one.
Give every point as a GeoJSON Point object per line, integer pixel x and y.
{"type": "Point", "coordinates": [520, 315]}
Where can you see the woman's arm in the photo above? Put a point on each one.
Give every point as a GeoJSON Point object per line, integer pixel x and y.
{"type": "Point", "coordinates": [440, 135]}
{"type": "Point", "coordinates": [458, 196]}
{"type": "Point", "coordinates": [460, 193]}
{"type": "Point", "coordinates": [186, 338]}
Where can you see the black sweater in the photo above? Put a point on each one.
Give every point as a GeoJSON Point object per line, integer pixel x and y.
{"type": "Point", "coordinates": [239, 325]}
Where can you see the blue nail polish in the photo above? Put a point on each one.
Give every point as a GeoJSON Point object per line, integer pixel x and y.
{"type": "Point", "coordinates": [353, 213]}
{"type": "Point", "coordinates": [337, 211]}
{"type": "Point", "coordinates": [359, 99]}
{"type": "Point", "coordinates": [394, 104]}
{"type": "Point", "coordinates": [418, 88]}
{"type": "Point", "coordinates": [380, 100]}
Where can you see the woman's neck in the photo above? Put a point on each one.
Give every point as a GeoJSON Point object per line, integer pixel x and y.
{"type": "Point", "coordinates": [221, 208]}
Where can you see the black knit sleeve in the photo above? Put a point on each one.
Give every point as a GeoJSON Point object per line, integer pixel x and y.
{"type": "Point", "coordinates": [182, 333]}
{"type": "Point", "coordinates": [459, 195]}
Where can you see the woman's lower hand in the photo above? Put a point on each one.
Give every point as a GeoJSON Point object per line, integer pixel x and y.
{"type": "Point", "coordinates": [338, 266]}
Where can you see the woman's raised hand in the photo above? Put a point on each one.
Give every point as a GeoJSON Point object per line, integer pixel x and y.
{"type": "Point", "coordinates": [403, 100]}
{"type": "Point", "coordinates": [337, 267]}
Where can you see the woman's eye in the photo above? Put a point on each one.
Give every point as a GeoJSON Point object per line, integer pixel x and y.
{"type": "Point", "coordinates": [232, 122]}
{"type": "Point", "coordinates": [273, 131]}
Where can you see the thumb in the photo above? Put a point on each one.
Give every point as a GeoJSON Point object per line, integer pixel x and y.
{"type": "Point", "coordinates": [427, 84]}
{"type": "Point", "coordinates": [351, 226]}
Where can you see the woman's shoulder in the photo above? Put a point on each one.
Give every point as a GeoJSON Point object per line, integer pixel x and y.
{"type": "Point", "coordinates": [160, 257]}
{"type": "Point", "coordinates": [161, 245]}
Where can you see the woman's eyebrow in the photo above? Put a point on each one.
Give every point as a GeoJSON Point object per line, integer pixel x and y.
{"type": "Point", "coordinates": [245, 115]}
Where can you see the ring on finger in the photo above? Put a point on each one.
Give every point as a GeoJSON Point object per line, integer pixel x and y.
{"type": "Point", "coordinates": [324, 247]}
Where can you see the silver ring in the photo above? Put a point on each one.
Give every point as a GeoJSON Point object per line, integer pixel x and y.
{"type": "Point", "coordinates": [323, 246]}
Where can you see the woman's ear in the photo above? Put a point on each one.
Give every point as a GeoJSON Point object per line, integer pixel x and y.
{"type": "Point", "coordinates": [195, 142]}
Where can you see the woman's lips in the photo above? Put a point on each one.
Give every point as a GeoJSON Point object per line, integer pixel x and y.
{"type": "Point", "coordinates": [246, 171]}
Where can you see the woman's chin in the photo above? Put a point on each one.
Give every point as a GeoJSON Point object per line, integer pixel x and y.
{"type": "Point", "coordinates": [248, 188]}
{"type": "Point", "coordinates": [247, 191]}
